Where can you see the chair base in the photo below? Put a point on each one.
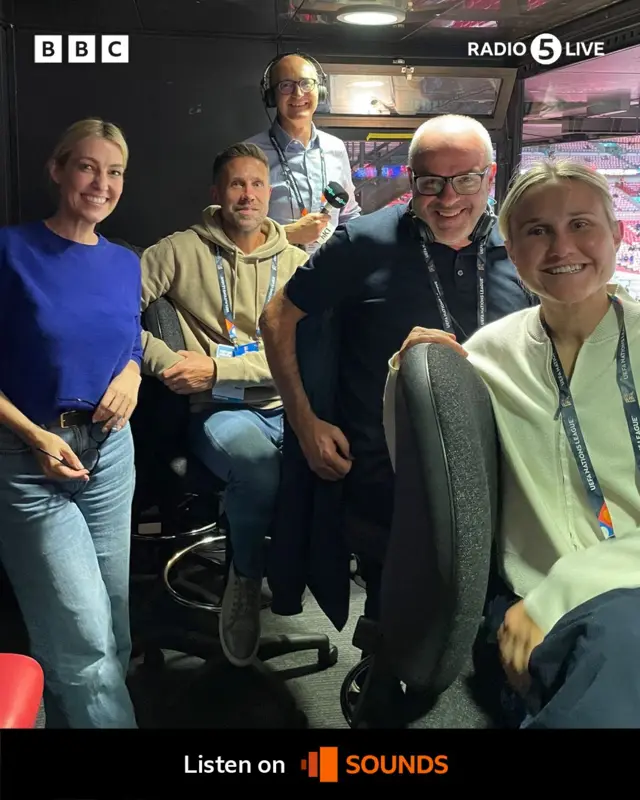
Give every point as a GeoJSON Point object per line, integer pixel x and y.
{"type": "Point", "coordinates": [175, 613]}
{"type": "Point", "coordinates": [208, 647]}
{"type": "Point", "coordinates": [281, 645]}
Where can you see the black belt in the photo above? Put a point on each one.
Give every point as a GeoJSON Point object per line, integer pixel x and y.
{"type": "Point", "coordinates": [70, 419]}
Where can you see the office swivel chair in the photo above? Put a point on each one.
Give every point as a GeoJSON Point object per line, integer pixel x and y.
{"type": "Point", "coordinates": [191, 526]}
{"type": "Point", "coordinates": [437, 564]}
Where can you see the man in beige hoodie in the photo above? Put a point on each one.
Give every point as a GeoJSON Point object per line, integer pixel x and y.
{"type": "Point", "coordinates": [219, 275]}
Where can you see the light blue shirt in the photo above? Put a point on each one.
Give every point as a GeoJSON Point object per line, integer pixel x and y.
{"type": "Point", "coordinates": [306, 166]}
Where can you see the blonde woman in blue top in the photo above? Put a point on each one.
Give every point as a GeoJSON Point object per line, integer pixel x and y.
{"type": "Point", "coordinates": [70, 352]}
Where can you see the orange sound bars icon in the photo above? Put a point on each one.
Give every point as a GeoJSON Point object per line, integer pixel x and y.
{"type": "Point", "coordinates": [322, 765]}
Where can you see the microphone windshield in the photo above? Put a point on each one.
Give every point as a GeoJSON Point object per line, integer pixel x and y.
{"type": "Point", "coordinates": [335, 195]}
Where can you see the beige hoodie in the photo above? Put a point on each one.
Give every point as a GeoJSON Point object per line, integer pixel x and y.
{"type": "Point", "coordinates": [182, 267]}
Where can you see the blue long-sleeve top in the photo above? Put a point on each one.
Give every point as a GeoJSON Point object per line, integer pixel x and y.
{"type": "Point", "coordinates": [69, 319]}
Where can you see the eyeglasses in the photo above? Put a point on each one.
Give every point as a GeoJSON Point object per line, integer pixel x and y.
{"type": "Point", "coordinates": [288, 87]}
{"type": "Point", "coordinates": [469, 183]}
{"type": "Point", "coordinates": [91, 455]}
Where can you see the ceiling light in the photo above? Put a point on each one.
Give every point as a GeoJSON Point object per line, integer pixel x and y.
{"type": "Point", "coordinates": [372, 14]}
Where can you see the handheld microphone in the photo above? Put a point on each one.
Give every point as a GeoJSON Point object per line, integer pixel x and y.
{"type": "Point", "coordinates": [335, 197]}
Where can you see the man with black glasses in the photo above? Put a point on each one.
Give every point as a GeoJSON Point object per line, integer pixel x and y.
{"type": "Point", "coordinates": [303, 160]}
{"type": "Point", "coordinates": [383, 274]}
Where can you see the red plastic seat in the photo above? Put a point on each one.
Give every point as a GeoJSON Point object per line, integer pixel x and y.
{"type": "Point", "coordinates": [21, 690]}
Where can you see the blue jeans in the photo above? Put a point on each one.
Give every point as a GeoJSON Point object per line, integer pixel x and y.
{"type": "Point", "coordinates": [241, 446]}
{"type": "Point", "coordinates": [68, 562]}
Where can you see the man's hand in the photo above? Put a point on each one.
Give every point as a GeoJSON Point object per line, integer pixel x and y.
{"type": "Point", "coordinates": [518, 637]}
{"type": "Point", "coordinates": [431, 336]}
{"type": "Point", "coordinates": [307, 229]}
{"type": "Point", "coordinates": [195, 373]}
{"type": "Point", "coordinates": [119, 401]}
{"type": "Point", "coordinates": [326, 449]}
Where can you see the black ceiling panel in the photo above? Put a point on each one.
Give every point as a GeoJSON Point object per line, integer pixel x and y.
{"type": "Point", "coordinates": [204, 17]}
{"type": "Point", "coordinates": [213, 17]}
{"type": "Point", "coordinates": [469, 20]}
{"type": "Point", "coordinates": [311, 20]}
{"type": "Point", "coordinates": [77, 16]}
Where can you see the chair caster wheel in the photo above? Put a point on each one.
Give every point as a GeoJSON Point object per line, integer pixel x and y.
{"type": "Point", "coordinates": [328, 658]}
{"type": "Point", "coordinates": [153, 659]}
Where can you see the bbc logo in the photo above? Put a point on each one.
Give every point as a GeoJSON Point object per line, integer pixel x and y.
{"type": "Point", "coordinates": [80, 49]}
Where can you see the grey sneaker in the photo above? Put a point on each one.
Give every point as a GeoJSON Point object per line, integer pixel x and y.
{"type": "Point", "coordinates": [240, 619]}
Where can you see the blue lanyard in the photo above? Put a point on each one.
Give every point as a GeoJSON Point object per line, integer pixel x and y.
{"type": "Point", "coordinates": [226, 301]}
{"type": "Point", "coordinates": [290, 179]}
{"type": "Point", "coordinates": [566, 409]}
{"type": "Point", "coordinates": [481, 272]}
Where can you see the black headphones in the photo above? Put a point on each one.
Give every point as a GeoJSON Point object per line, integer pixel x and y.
{"type": "Point", "coordinates": [268, 93]}
{"type": "Point", "coordinates": [482, 229]}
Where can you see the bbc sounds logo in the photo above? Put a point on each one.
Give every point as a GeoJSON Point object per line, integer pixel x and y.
{"type": "Point", "coordinates": [325, 765]}
{"type": "Point", "coordinates": [322, 764]}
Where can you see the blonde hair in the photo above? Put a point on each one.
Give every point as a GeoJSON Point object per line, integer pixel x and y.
{"type": "Point", "coordinates": [449, 123]}
{"type": "Point", "coordinates": [84, 129]}
{"type": "Point", "coordinates": [550, 171]}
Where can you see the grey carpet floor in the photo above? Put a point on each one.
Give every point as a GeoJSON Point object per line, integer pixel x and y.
{"type": "Point", "coordinates": [189, 693]}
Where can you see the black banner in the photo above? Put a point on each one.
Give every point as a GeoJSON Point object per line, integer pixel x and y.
{"type": "Point", "coordinates": [140, 765]}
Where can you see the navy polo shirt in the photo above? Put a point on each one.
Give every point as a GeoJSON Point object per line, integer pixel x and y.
{"type": "Point", "coordinates": [373, 270]}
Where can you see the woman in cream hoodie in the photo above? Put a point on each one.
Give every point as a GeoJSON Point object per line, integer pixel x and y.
{"type": "Point", "coordinates": [561, 381]}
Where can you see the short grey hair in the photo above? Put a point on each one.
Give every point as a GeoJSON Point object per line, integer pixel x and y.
{"type": "Point", "coordinates": [449, 123]}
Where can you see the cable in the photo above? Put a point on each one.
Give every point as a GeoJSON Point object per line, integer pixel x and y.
{"type": "Point", "coordinates": [296, 11]}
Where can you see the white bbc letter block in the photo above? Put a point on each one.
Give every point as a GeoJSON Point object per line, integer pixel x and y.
{"type": "Point", "coordinates": [115, 49]}
{"type": "Point", "coordinates": [47, 49]}
{"type": "Point", "coordinates": [82, 49]}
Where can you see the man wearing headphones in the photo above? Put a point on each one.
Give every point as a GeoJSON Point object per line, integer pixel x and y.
{"type": "Point", "coordinates": [438, 264]}
{"type": "Point", "coordinates": [303, 160]}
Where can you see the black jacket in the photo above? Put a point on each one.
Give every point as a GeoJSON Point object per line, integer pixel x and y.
{"type": "Point", "coordinates": [307, 547]}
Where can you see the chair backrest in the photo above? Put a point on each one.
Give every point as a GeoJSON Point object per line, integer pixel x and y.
{"type": "Point", "coordinates": [162, 422]}
{"type": "Point", "coordinates": [446, 509]}
{"type": "Point", "coordinates": [161, 320]}
{"type": "Point", "coordinates": [165, 412]}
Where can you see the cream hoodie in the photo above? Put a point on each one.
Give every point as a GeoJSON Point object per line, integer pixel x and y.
{"type": "Point", "coordinates": [182, 267]}
{"type": "Point", "coordinates": [553, 553]}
